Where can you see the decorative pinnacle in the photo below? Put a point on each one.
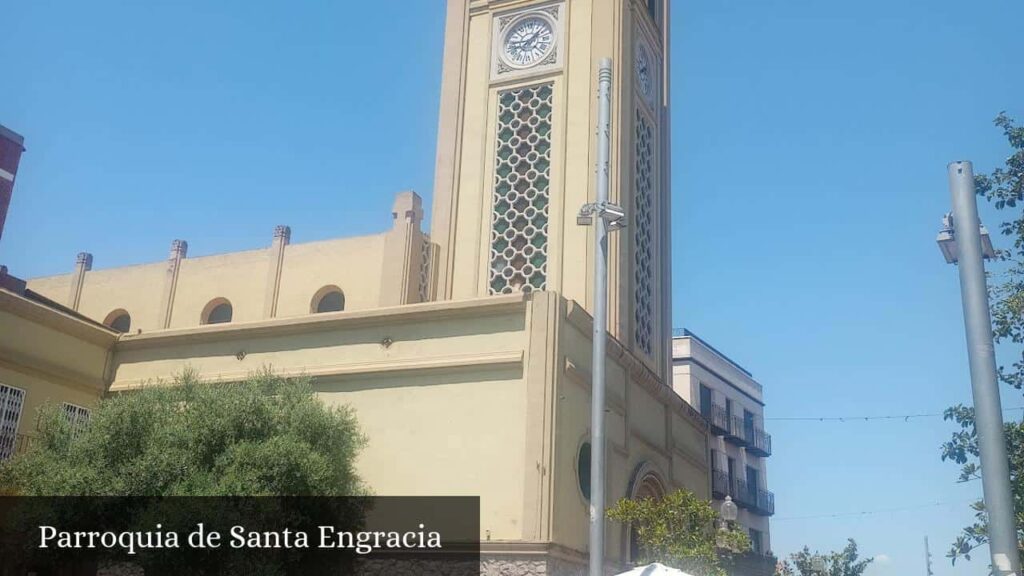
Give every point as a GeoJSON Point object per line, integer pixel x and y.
{"type": "Point", "coordinates": [179, 249]}
{"type": "Point", "coordinates": [84, 260]}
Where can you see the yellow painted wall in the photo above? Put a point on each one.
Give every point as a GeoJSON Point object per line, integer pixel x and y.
{"type": "Point", "coordinates": [356, 265]}
{"type": "Point", "coordinates": [437, 433]}
{"type": "Point", "coordinates": [353, 264]}
{"type": "Point", "coordinates": [52, 356]}
{"type": "Point", "coordinates": [642, 428]}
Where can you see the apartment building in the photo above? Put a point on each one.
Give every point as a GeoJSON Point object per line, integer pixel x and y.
{"type": "Point", "coordinates": [732, 402]}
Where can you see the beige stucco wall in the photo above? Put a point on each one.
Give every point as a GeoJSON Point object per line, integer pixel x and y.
{"type": "Point", "coordinates": [353, 264]}
{"type": "Point", "coordinates": [438, 389]}
{"type": "Point", "coordinates": [52, 356]}
{"type": "Point", "coordinates": [371, 271]}
{"type": "Point", "coordinates": [648, 428]}
{"type": "Point", "coordinates": [486, 397]}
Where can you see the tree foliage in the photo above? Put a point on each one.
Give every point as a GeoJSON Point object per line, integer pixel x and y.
{"type": "Point", "coordinates": [845, 562]}
{"type": "Point", "coordinates": [264, 436]}
{"type": "Point", "coordinates": [1004, 189]}
{"type": "Point", "coordinates": [680, 531]}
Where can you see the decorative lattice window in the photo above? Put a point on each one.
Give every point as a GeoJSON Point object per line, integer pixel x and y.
{"type": "Point", "coordinates": [643, 234]}
{"type": "Point", "coordinates": [425, 255]}
{"type": "Point", "coordinates": [522, 179]}
{"type": "Point", "coordinates": [11, 401]}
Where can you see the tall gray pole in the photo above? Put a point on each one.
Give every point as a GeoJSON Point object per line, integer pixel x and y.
{"type": "Point", "coordinates": [988, 413]}
{"type": "Point", "coordinates": [597, 403]}
{"type": "Point", "coordinates": [927, 559]}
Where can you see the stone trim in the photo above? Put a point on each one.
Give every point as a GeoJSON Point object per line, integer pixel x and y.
{"type": "Point", "coordinates": [432, 311]}
{"type": "Point", "coordinates": [509, 359]}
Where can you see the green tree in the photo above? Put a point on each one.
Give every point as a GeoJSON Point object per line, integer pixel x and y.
{"type": "Point", "coordinates": [264, 436]}
{"type": "Point", "coordinates": [845, 562]}
{"type": "Point", "coordinates": [1004, 189]}
{"type": "Point", "coordinates": [680, 531]}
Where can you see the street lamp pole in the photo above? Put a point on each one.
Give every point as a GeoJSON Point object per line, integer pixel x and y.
{"type": "Point", "coordinates": [605, 217]}
{"type": "Point", "coordinates": [988, 413]}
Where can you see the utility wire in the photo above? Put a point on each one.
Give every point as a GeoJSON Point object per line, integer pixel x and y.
{"type": "Point", "coordinates": [873, 512]}
{"type": "Point", "coordinates": [904, 417]}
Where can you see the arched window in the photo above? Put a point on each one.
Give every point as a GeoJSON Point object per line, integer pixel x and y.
{"type": "Point", "coordinates": [218, 311]}
{"type": "Point", "coordinates": [646, 484]}
{"type": "Point", "coordinates": [327, 299]}
{"type": "Point", "coordinates": [119, 320]}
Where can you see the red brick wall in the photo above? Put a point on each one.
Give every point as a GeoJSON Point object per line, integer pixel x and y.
{"type": "Point", "coordinates": [10, 155]}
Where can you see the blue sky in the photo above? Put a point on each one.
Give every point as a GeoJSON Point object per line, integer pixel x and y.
{"type": "Point", "coordinates": [809, 153]}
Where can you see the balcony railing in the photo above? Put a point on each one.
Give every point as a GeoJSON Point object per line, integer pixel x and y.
{"type": "Point", "coordinates": [744, 494]}
{"type": "Point", "coordinates": [759, 442]}
{"type": "Point", "coordinates": [765, 503]}
{"type": "Point", "coordinates": [720, 487]}
{"type": "Point", "coordinates": [737, 433]}
{"type": "Point", "coordinates": [744, 433]}
{"type": "Point", "coordinates": [758, 501]}
{"type": "Point", "coordinates": [13, 444]}
{"type": "Point", "coordinates": [717, 417]}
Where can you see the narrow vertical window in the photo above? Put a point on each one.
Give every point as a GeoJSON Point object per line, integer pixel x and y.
{"type": "Point", "coordinates": [11, 401]}
{"type": "Point", "coordinates": [643, 235]}
{"type": "Point", "coordinates": [425, 257]}
{"type": "Point", "coordinates": [522, 179]}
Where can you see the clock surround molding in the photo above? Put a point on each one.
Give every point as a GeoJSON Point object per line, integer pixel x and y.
{"type": "Point", "coordinates": [553, 13]}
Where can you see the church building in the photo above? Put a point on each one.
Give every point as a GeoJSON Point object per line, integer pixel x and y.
{"type": "Point", "coordinates": [465, 349]}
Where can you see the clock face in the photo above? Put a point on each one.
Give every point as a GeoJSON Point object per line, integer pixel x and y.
{"type": "Point", "coordinates": [644, 75]}
{"type": "Point", "coordinates": [528, 41]}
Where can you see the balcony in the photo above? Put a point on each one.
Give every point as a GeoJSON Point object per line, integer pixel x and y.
{"type": "Point", "coordinates": [744, 494]}
{"type": "Point", "coordinates": [717, 417]}
{"type": "Point", "coordinates": [746, 434]}
{"type": "Point", "coordinates": [765, 503]}
{"type": "Point", "coordinates": [13, 444]}
{"type": "Point", "coordinates": [759, 442]}
{"type": "Point", "coordinates": [736, 434]}
{"type": "Point", "coordinates": [720, 487]}
{"type": "Point", "coordinates": [758, 501]}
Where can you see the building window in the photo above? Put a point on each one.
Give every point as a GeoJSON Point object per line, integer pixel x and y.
{"type": "Point", "coordinates": [522, 181]}
{"type": "Point", "coordinates": [119, 320]}
{"type": "Point", "coordinates": [78, 418]}
{"type": "Point", "coordinates": [648, 486]}
{"type": "Point", "coordinates": [328, 299]}
{"type": "Point", "coordinates": [705, 401]}
{"type": "Point", "coordinates": [756, 545]}
{"type": "Point", "coordinates": [643, 235]}
{"type": "Point", "coordinates": [583, 470]}
{"type": "Point", "coordinates": [218, 311]}
{"type": "Point", "coordinates": [11, 401]}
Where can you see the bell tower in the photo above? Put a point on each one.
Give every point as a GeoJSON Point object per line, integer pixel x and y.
{"type": "Point", "coordinates": [517, 150]}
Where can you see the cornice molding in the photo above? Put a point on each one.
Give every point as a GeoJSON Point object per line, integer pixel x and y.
{"type": "Point", "coordinates": [492, 360]}
{"type": "Point", "coordinates": [407, 313]}
{"type": "Point", "coordinates": [87, 330]}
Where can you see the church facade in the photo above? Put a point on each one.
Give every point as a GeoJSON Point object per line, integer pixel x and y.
{"type": "Point", "coordinates": [465, 352]}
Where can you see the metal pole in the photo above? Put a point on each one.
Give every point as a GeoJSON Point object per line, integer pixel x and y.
{"type": "Point", "coordinates": [988, 413]}
{"type": "Point", "coordinates": [597, 403]}
{"type": "Point", "coordinates": [927, 558]}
